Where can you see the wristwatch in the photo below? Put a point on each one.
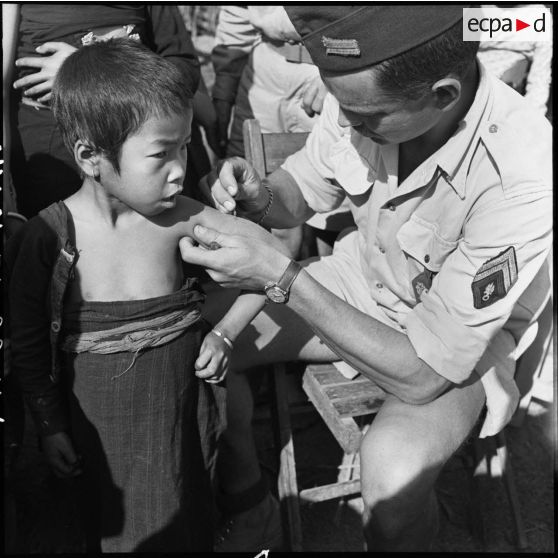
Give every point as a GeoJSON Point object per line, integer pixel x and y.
{"type": "Point", "coordinates": [279, 292]}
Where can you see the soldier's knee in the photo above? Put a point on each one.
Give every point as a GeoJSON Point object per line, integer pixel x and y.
{"type": "Point", "coordinates": [396, 484]}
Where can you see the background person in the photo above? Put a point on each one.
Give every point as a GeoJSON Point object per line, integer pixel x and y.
{"type": "Point", "coordinates": [38, 38]}
{"type": "Point", "coordinates": [524, 65]}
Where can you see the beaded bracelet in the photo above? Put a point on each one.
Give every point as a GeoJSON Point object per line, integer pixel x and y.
{"type": "Point", "coordinates": [268, 206]}
{"type": "Point", "coordinates": [223, 337]}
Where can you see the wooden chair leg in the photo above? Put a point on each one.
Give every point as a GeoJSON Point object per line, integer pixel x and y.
{"type": "Point", "coordinates": [286, 483]}
{"type": "Point", "coordinates": [511, 490]}
{"type": "Point", "coordinates": [346, 473]}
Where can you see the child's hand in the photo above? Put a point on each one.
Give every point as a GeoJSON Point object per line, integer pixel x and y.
{"type": "Point", "coordinates": [213, 362]}
{"type": "Point", "coordinates": [60, 454]}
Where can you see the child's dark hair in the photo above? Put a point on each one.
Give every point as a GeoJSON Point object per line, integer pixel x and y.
{"type": "Point", "coordinates": [410, 75]}
{"type": "Point", "coordinates": [106, 91]}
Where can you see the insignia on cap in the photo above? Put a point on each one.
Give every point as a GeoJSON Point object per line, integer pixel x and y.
{"type": "Point", "coordinates": [341, 47]}
{"type": "Point", "coordinates": [494, 278]}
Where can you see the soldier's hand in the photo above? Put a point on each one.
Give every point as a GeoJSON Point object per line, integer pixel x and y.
{"type": "Point", "coordinates": [234, 186]}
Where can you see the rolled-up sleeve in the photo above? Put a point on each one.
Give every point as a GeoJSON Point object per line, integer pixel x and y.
{"type": "Point", "coordinates": [313, 166]}
{"type": "Point", "coordinates": [446, 329]}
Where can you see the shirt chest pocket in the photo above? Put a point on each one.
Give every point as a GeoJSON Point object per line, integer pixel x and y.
{"type": "Point", "coordinates": [424, 252]}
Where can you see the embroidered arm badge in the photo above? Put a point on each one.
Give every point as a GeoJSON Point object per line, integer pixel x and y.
{"type": "Point", "coordinates": [494, 278]}
{"type": "Point", "coordinates": [421, 284]}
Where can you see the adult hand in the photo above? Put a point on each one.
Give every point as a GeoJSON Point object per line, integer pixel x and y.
{"type": "Point", "coordinates": [235, 185]}
{"type": "Point", "coordinates": [313, 96]}
{"type": "Point", "coordinates": [246, 261]}
{"type": "Point", "coordinates": [40, 82]}
{"type": "Point", "coordinates": [223, 110]}
{"type": "Point", "coordinates": [60, 454]}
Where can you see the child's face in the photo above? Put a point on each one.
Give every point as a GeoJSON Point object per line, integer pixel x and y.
{"type": "Point", "coordinates": [152, 165]}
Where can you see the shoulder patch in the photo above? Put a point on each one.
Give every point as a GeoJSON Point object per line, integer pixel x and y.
{"type": "Point", "coordinates": [494, 278]}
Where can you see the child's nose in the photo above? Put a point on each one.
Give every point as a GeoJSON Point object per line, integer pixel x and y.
{"type": "Point", "coordinates": [178, 170]}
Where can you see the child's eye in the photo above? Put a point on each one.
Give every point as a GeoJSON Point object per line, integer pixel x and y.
{"type": "Point", "coordinates": [160, 155]}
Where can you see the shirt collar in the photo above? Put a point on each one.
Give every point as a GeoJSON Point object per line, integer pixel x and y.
{"type": "Point", "coordinates": [455, 156]}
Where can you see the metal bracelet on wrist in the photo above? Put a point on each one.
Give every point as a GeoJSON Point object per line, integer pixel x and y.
{"type": "Point", "coordinates": [226, 340]}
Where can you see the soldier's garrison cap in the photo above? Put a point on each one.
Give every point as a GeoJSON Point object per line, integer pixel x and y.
{"type": "Point", "coordinates": [352, 37]}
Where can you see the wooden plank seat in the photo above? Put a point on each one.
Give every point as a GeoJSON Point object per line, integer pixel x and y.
{"type": "Point", "coordinates": [339, 400]}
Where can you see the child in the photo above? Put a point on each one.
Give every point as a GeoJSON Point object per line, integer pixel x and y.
{"type": "Point", "coordinates": [105, 328]}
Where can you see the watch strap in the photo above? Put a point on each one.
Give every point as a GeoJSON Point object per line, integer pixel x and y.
{"type": "Point", "coordinates": [289, 275]}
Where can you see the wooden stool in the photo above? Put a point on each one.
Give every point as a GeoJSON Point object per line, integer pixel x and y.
{"type": "Point", "coordinates": [341, 403]}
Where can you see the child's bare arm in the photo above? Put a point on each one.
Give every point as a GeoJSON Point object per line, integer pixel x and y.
{"type": "Point", "coordinates": [189, 212]}
{"type": "Point", "coordinates": [245, 308]}
{"type": "Point", "coordinates": [212, 363]}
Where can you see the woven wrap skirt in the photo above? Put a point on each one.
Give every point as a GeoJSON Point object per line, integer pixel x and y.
{"type": "Point", "coordinates": [146, 483]}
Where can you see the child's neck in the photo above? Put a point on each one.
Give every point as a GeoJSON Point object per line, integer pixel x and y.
{"type": "Point", "coordinates": [93, 202]}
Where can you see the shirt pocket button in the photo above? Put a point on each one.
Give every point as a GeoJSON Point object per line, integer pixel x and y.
{"type": "Point", "coordinates": [55, 326]}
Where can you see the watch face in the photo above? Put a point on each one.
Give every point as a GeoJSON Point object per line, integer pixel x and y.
{"type": "Point", "coordinates": [276, 294]}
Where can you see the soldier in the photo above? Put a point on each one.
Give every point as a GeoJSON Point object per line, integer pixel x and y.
{"type": "Point", "coordinates": [448, 175]}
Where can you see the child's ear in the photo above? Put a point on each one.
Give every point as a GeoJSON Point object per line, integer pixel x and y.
{"type": "Point", "coordinates": [87, 159]}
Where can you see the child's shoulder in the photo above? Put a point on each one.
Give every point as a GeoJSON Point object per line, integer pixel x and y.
{"type": "Point", "coordinates": [183, 211]}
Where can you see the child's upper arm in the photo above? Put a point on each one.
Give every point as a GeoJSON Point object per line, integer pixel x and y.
{"type": "Point", "coordinates": [189, 212]}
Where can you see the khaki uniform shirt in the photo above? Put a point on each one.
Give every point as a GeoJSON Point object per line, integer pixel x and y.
{"type": "Point", "coordinates": [449, 253]}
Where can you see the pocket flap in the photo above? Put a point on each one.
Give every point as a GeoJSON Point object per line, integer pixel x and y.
{"type": "Point", "coordinates": [420, 240]}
